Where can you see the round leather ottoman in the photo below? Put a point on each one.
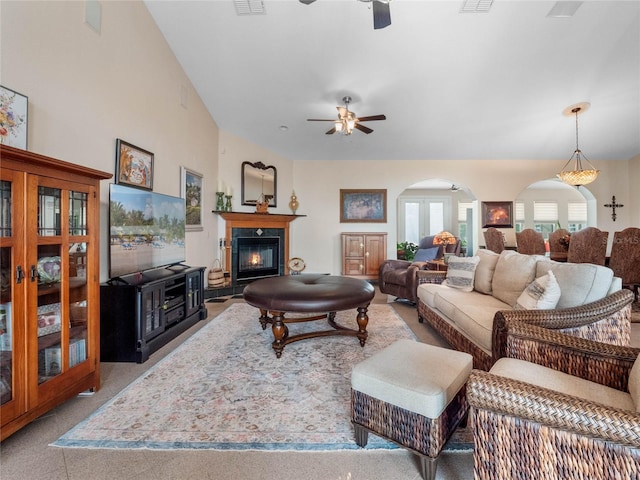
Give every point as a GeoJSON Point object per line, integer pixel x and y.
{"type": "Point", "coordinates": [309, 293]}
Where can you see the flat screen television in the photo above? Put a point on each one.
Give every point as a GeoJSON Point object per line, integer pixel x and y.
{"type": "Point", "coordinates": [146, 230]}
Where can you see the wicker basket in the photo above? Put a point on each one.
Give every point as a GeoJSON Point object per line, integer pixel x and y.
{"type": "Point", "coordinates": [216, 275]}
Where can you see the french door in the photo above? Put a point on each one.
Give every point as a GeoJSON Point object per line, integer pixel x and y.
{"type": "Point", "coordinates": [419, 217]}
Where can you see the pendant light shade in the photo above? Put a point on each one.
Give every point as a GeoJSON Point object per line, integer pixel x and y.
{"type": "Point", "coordinates": [579, 175]}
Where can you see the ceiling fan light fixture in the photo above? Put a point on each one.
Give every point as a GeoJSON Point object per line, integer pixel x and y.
{"type": "Point", "coordinates": [338, 125]}
{"type": "Point", "coordinates": [578, 176]}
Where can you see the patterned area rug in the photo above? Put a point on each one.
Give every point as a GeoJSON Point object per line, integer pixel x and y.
{"type": "Point", "coordinates": [224, 389]}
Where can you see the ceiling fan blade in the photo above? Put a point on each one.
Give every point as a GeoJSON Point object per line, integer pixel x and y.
{"type": "Point", "coordinates": [307, 2]}
{"type": "Point", "coordinates": [371, 118]}
{"type": "Point", "coordinates": [320, 120]}
{"type": "Point", "coordinates": [362, 128]}
{"type": "Point", "coordinates": [331, 132]}
{"type": "Point", "coordinates": [381, 15]}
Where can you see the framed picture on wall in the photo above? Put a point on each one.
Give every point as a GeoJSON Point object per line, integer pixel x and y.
{"type": "Point", "coordinates": [363, 206]}
{"type": "Point", "coordinates": [191, 191]}
{"type": "Point", "coordinates": [13, 118]}
{"type": "Point", "coordinates": [497, 214]}
{"type": "Point", "coordinates": [134, 166]}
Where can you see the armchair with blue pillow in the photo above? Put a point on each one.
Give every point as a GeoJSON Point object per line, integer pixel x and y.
{"type": "Point", "coordinates": [400, 277]}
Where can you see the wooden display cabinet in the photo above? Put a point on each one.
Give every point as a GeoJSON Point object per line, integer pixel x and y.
{"type": "Point", "coordinates": [362, 254]}
{"type": "Point", "coordinates": [49, 290]}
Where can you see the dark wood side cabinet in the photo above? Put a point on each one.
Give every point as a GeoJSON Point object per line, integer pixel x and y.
{"type": "Point", "coordinates": [140, 313]}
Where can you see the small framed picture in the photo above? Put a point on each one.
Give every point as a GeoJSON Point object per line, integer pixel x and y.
{"type": "Point", "coordinates": [49, 319]}
{"type": "Point", "coordinates": [13, 118]}
{"type": "Point", "coordinates": [191, 191]}
{"type": "Point", "coordinates": [497, 214]}
{"type": "Point", "coordinates": [363, 206]}
{"type": "Point", "coordinates": [134, 166]}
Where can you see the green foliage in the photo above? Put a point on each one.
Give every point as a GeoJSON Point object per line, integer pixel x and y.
{"type": "Point", "coordinates": [406, 250]}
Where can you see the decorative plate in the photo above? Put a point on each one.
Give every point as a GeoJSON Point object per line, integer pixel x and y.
{"type": "Point", "coordinates": [296, 264]}
{"type": "Point", "coordinates": [49, 269]}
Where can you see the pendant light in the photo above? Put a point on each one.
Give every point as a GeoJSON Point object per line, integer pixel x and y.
{"type": "Point", "coordinates": [578, 176]}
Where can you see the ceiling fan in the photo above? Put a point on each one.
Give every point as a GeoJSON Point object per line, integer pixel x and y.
{"type": "Point", "coordinates": [381, 13]}
{"type": "Point", "coordinates": [347, 120]}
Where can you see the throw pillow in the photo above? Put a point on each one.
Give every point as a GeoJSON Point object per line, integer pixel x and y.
{"type": "Point", "coordinates": [425, 254]}
{"type": "Point", "coordinates": [460, 272]}
{"type": "Point", "coordinates": [514, 271]}
{"type": "Point", "coordinates": [541, 294]}
{"type": "Point", "coordinates": [485, 269]}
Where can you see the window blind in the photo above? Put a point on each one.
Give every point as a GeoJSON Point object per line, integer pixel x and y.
{"type": "Point", "coordinates": [545, 211]}
{"type": "Point", "coordinates": [577, 212]}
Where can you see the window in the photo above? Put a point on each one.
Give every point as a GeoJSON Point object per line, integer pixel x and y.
{"type": "Point", "coordinates": [519, 216]}
{"type": "Point", "coordinates": [462, 218]}
{"type": "Point", "coordinates": [545, 217]}
{"type": "Point", "coordinates": [576, 216]}
{"type": "Point", "coordinates": [419, 217]}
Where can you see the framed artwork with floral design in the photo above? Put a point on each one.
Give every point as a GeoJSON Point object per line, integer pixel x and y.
{"type": "Point", "coordinates": [13, 118]}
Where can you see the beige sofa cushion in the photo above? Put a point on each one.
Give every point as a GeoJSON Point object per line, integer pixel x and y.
{"type": "Point", "coordinates": [470, 312]}
{"type": "Point", "coordinates": [561, 382]}
{"type": "Point", "coordinates": [580, 283]}
{"type": "Point", "coordinates": [514, 271]}
{"type": "Point", "coordinates": [485, 269]}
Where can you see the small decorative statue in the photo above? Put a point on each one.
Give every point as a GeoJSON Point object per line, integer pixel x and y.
{"type": "Point", "coordinates": [293, 203]}
{"type": "Point", "coordinates": [262, 205]}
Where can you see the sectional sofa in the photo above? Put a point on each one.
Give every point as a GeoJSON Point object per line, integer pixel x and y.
{"type": "Point", "coordinates": [473, 306]}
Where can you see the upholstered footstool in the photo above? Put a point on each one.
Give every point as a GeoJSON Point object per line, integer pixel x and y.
{"type": "Point", "coordinates": [412, 394]}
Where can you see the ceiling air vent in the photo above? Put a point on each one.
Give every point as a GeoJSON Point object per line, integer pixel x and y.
{"type": "Point", "coordinates": [564, 9]}
{"type": "Point", "coordinates": [249, 7]}
{"type": "Point", "coordinates": [476, 6]}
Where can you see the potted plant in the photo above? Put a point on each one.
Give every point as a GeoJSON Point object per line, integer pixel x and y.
{"type": "Point", "coordinates": [406, 250]}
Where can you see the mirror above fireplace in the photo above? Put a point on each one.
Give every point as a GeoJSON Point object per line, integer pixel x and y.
{"type": "Point", "coordinates": [259, 183]}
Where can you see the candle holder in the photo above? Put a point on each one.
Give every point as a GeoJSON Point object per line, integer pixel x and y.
{"type": "Point", "coordinates": [228, 206]}
{"type": "Point", "coordinates": [220, 202]}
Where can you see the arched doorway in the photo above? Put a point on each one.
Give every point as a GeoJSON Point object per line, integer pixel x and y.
{"type": "Point", "coordinates": [432, 205]}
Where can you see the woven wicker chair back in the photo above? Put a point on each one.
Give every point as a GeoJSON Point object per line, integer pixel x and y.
{"type": "Point", "coordinates": [493, 239]}
{"type": "Point", "coordinates": [530, 242]}
{"type": "Point", "coordinates": [588, 245]}
{"type": "Point", "coordinates": [625, 257]}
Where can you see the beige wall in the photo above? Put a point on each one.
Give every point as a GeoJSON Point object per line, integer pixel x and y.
{"type": "Point", "coordinates": [86, 89]}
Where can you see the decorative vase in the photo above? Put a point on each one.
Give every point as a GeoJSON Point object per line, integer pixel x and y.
{"type": "Point", "coordinates": [220, 202]}
{"type": "Point", "coordinates": [293, 203]}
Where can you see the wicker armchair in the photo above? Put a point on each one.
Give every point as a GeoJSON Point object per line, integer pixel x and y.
{"type": "Point", "coordinates": [523, 430]}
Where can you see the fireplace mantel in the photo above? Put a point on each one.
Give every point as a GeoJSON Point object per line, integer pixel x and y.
{"type": "Point", "coordinates": [256, 220]}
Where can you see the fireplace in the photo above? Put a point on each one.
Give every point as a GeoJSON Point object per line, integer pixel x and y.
{"type": "Point", "coordinates": [257, 257]}
{"type": "Point", "coordinates": [253, 225]}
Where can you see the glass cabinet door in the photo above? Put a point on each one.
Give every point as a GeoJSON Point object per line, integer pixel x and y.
{"type": "Point", "coordinates": [12, 349]}
{"type": "Point", "coordinates": [153, 306]}
{"type": "Point", "coordinates": [60, 273]}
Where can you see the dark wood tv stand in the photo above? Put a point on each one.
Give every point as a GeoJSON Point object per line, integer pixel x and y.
{"type": "Point", "coordinates": [140, 313]}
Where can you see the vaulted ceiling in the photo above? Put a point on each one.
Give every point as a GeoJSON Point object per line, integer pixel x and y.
{"type": "Point", "coordinates": [452, 85]}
